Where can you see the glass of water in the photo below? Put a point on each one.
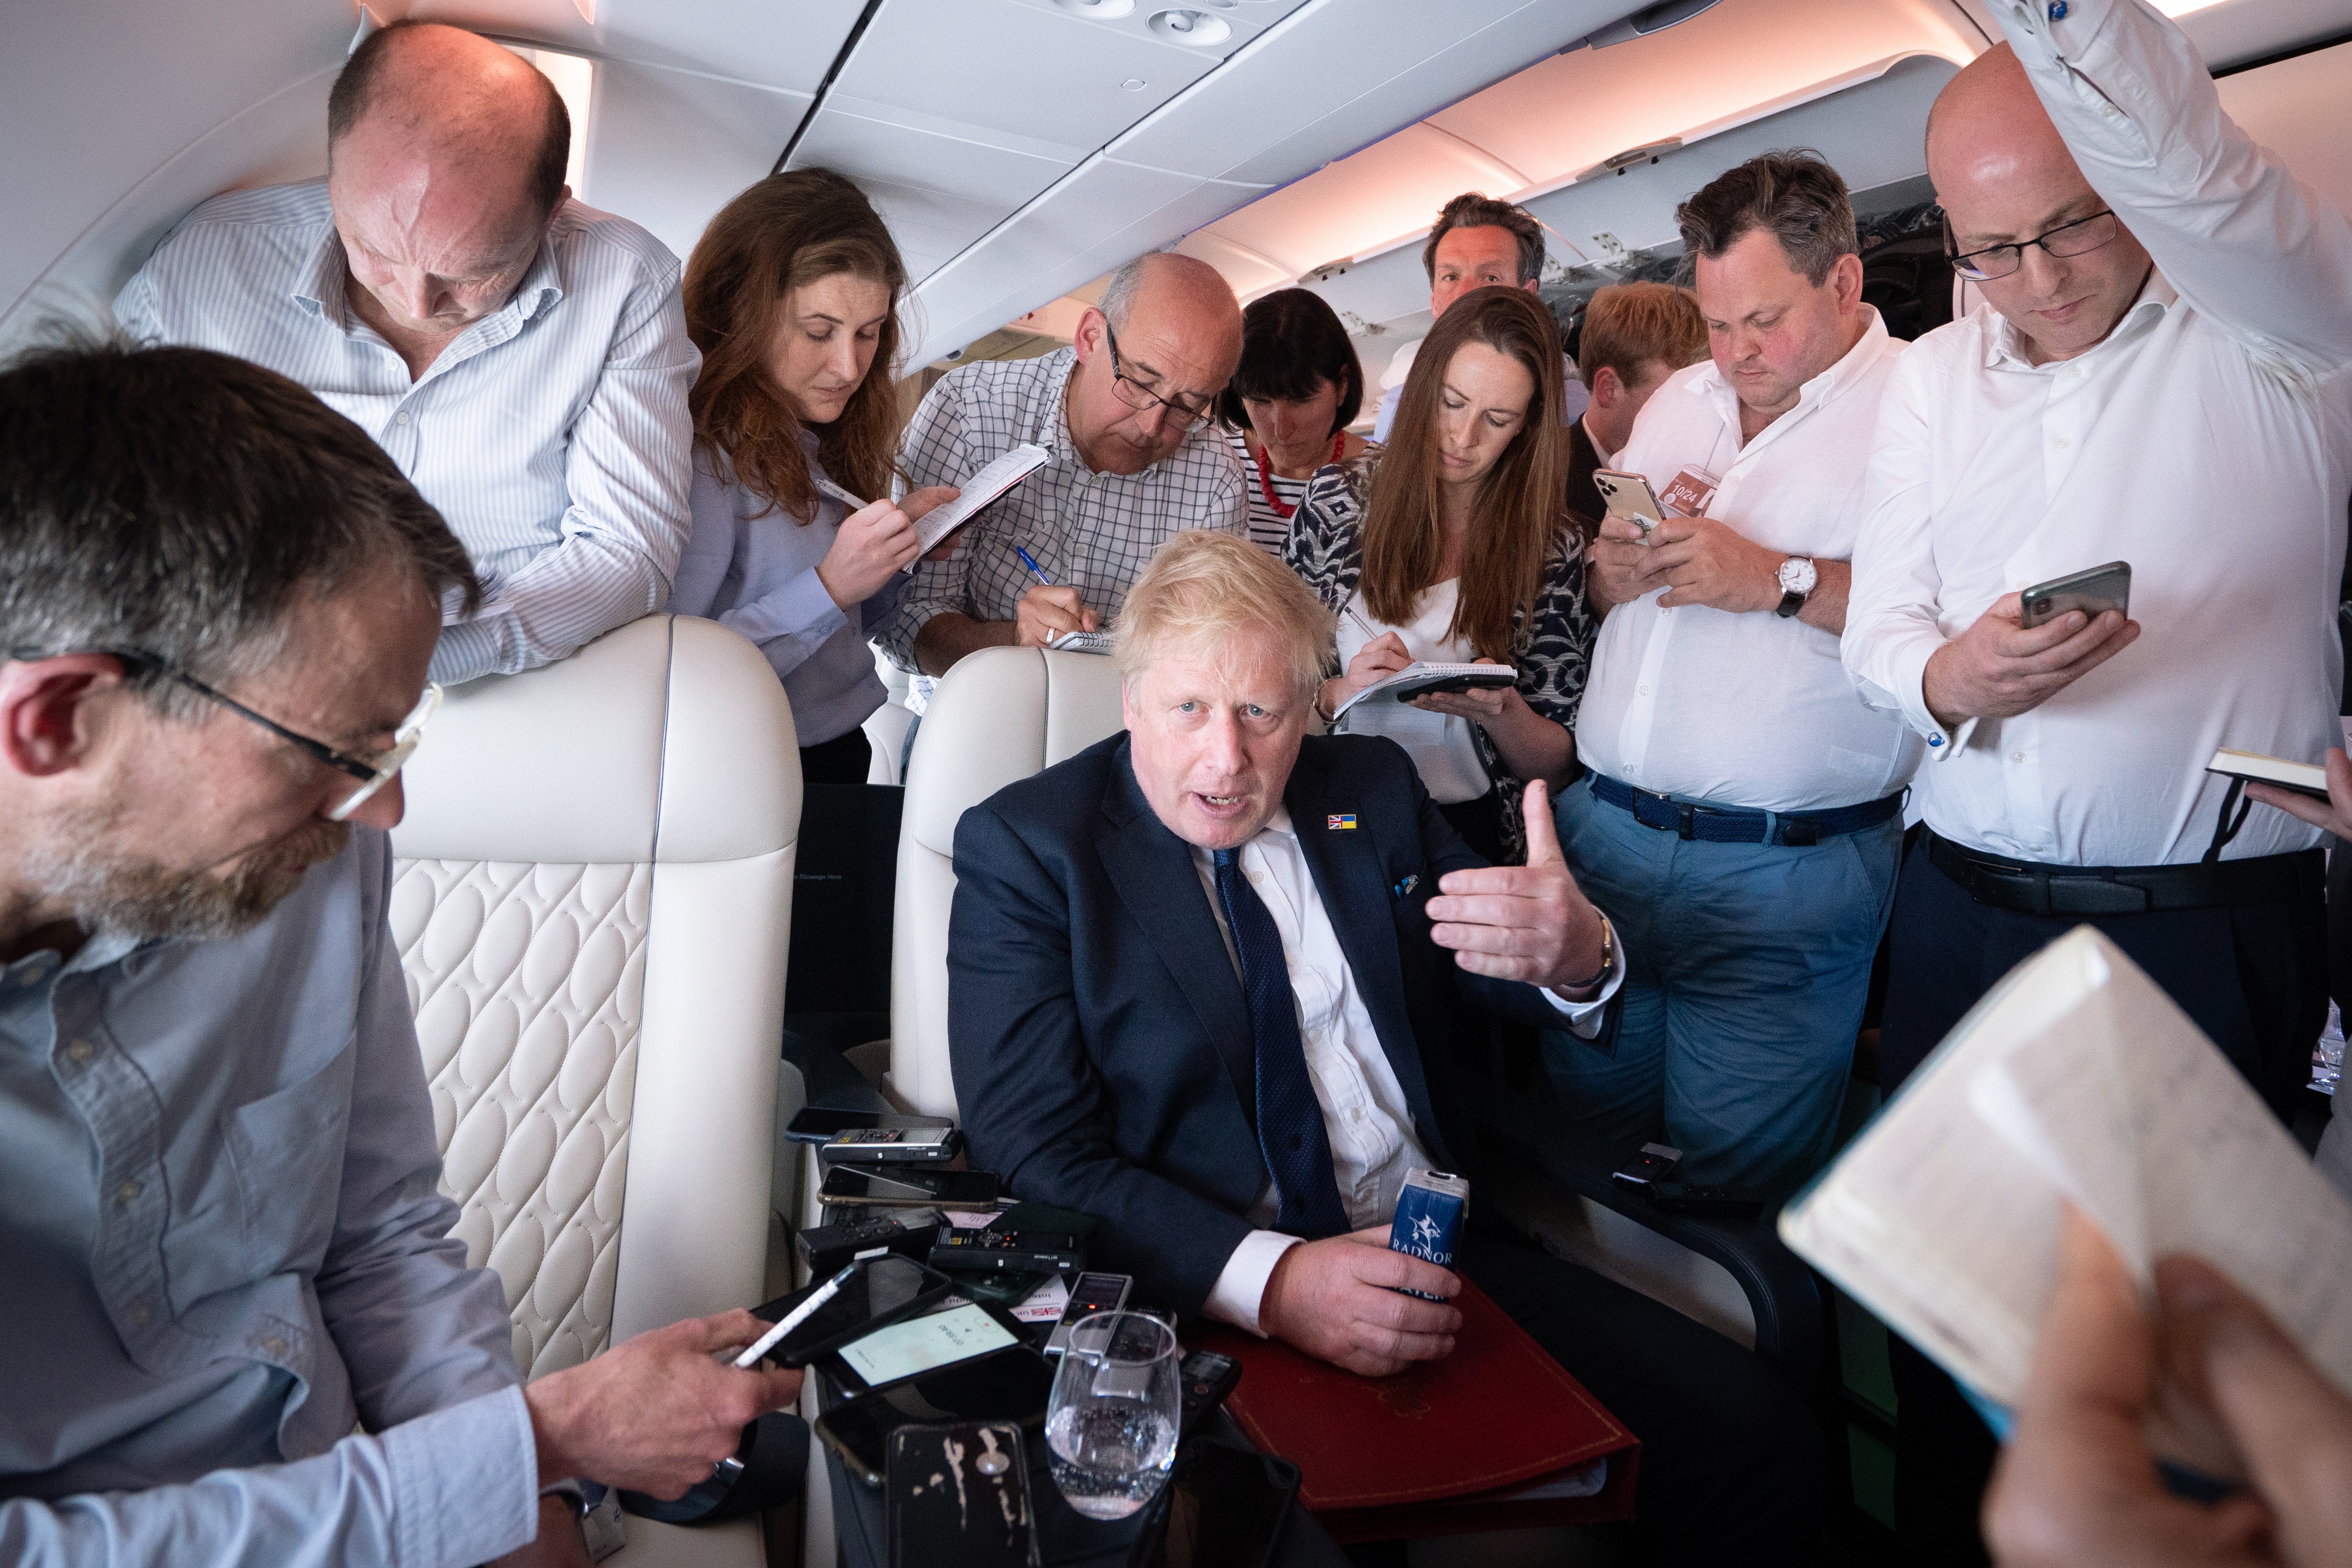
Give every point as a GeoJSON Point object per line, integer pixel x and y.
{"type": "Point", "coordinates": [1111, 1426]}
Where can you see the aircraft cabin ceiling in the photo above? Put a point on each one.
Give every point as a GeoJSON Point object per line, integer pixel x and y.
{"type": "Point", "coordinates": [1019, 148]}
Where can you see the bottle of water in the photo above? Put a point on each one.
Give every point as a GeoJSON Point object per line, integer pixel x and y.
{"type": "Point", "coordinates": [1110, 1424]}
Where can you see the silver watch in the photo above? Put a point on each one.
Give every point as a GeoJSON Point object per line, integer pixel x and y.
{"type": "Point", "coordinates": [1798, 575]}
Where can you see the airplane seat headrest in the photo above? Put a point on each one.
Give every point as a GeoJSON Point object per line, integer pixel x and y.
{"type": "Point", "coordinates": [591, 900]}
{"type": "Point", "coordinates": [999, 716]}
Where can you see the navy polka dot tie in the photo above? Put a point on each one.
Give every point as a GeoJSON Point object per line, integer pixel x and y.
{"type": "Point", "coordinates": [1289, 1120]}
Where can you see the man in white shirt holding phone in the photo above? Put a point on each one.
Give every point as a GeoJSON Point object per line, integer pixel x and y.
{"type": "Point", "coordinates": [2160, 372]}
{"type": "Point", "coordinates": [1745, 806]}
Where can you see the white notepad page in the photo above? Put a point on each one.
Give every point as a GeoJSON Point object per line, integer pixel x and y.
{"type": "Point", "coordinates": [976, 492]}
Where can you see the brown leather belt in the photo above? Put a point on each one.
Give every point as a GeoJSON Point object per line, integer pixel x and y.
{"type": "Point", "coordinates": [2032, 888]}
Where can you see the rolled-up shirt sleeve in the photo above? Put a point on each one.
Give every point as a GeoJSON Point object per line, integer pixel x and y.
{"type": "Point", "coordinates": [627, 472]}
{"type": "Point", "coordinates": [1891, 625]}
{"type": "Point", "coordinates": [449, 1490]}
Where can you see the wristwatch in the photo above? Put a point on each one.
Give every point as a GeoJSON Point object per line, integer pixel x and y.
{"type": "Point", "coordinates": [1797, 576]}
{"type": "Point", "coordinates": [1607, 957]}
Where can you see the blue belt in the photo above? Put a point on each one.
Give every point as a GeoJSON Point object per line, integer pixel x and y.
{"type": "Point", "coordinates": [1739, 824]}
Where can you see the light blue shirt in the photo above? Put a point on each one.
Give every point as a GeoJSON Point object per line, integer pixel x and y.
{"type": "Point", "coordinates": [552, 434]}
{"type": "Point", "coordinates": [751, 567]}
{"type": "Point", "coordinates": [225, 1248]}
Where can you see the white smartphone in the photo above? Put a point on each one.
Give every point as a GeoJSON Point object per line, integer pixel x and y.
{"type": "Point", "coordinates": [1630, 497]}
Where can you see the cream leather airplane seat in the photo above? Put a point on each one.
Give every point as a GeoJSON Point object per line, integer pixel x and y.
{"type": "Point", "coordinates": [591, 901]}
{"type": "Point", "coordinates": [997, 716]}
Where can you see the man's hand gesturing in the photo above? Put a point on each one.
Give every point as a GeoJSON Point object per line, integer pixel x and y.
{"type": "Point", "coordinates": [656, 1414]}
{"type": "Point", "coordinates": [1338, 1300]}
{"type": "Point", "coordinates": [1528, 922]}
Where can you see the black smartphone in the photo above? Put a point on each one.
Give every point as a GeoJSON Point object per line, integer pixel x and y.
{"type": "Point", "coordinates": [821, 1124]}
{"type": "Point", "coordinates": [2099, 589]}
{"type": "Point", "coordinates": [879, 1290]}
{"type": "Point", "coordinates": [1009, 1384]}
{"type": "Point", "coordinates": [957, 1331]}
{"type": "Point", "coordinates": [1222, 1508]}
{"type": "Point", "coordinates": [1203, 1380]}
{"type": "Point", "coordinates": [911, 1187]}
{"type": "Point", "coordinates": [959, 1493]}
{"type": "Point", "coordinates": [1502, 675]}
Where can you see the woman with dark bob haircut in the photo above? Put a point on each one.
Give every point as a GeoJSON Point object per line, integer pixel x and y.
{"type": "Point", "coordinates": [792, 295]}
{"type": "Point", "coordinates": [1288, 405]}
{"type": "Point", "coordinates": [1452, 544]}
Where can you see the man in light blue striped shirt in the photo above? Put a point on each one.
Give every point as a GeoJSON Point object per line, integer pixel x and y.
{"type": "Point", "coordinates": [522, 357]}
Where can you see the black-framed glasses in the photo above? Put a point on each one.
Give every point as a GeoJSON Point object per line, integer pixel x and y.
{"type": "Point", "coordinates": [1142, 399]}
{"type": "Point", "coordinates": [373, 773]}
{"type": "Point", "coordinates": [2076, 238]}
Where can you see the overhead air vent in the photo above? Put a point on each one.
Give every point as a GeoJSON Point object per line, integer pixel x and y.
{"type": "Point", "coordinates": [1097, 10]}
{"type": "Point", "coordinates": [1196, 28]}
{"type": "Point", "coordinates": [1642, 24]}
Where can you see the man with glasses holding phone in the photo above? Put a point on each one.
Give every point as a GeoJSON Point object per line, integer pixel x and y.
{"type": "Point", "coordinates": [224, 1246]}
{"type": "Point", "coordinates": [1124, 413]}
{"type": "Point", "coordinates": [2160, 373]}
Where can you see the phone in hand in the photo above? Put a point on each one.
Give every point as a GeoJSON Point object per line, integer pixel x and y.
{"type": "Point", "coordinates": [1222, 1508]}
{"type": "Point", "coordinates": [911, 1187]}
{"type": "Point", "coordinates": [1629, 496]}
{"type": "Point", "coordinates": [2098, 589]}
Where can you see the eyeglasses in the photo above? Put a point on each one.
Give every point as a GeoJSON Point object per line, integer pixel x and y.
{"type": "Point", "coordinates": [1143, 400]}
{"type": "Point", "coordinates": [2076, 238]}
{"type": "Point", "coordinates": [372, 772]}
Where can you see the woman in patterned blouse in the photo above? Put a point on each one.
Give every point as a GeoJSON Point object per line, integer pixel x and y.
{"type": "Point", "coordinates": [1451, 545]}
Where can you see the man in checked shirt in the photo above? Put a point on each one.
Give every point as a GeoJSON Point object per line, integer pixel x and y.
{"type": "Point", "coordinates": [1124, 411]}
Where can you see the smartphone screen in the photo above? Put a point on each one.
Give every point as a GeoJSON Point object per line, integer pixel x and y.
{"type": "Point", "coordinates": [882, 1288]}
{"type": "Point", "coordinates": [918, 1345]}
{"type": "Point", "coordinates": [902, 1185]}
{"type": "Point", "coordinates": [1224, 1508]}
{"type": "Point", "coordinates": [1008, 1385]}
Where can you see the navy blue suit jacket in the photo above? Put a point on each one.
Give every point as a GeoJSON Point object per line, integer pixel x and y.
{"type": "Point", "coordinates": [1099, 1033]}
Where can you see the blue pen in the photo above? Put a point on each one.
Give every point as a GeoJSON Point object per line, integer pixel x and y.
{"type": "Point", "coordinates": [1035, 570]}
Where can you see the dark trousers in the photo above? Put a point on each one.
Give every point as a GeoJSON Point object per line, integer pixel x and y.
{"type": "Point", "coordinates": [1732, 1469]}
{"type": "Point", "coordinates": [2253, 977]}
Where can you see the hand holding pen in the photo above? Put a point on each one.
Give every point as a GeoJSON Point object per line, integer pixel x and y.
{"type": "Point", "coordinates": [1049, 610]}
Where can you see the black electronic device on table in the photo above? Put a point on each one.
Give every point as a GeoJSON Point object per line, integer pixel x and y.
{"type": "Point", "coordinates": [1205, 1379]}
{"type": "Point", "coordinates": [1019, 1251]}
{"type": "Point", "coordinates": [1656, 1163]}
{"type": "Point", "coordinates": [909, 1186]}
{"type": "Point", "coordinates": [1222, 1508]}
{"type": "Point", "coordinates": [822, 1124]}
{"type": "Point", "coordinates": [878, 1291]}
{"type": "Point", "coordinates": [827, 1248]}
{"type": "Point", "coordinates": [1684, 1197]}
{"type": "Point", "coordinates": [960, 1494]}
{"type": "Point", "coordinates": [1012, 1384]}
{"type": "Point", "coordinates": [1089, 1294]}
{"type": "Point", "coordinates": [956, 1329]}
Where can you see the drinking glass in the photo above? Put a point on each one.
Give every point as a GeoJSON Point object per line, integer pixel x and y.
{"type": "Point", "coordinates": [1110, 1426]}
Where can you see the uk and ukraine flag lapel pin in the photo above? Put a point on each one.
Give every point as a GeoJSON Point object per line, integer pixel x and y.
{"type": "Point", "coordinates": [1341, 822]}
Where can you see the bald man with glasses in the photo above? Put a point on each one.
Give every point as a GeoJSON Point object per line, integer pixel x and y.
{"type": "Point", "coordinates": [1123, 415]}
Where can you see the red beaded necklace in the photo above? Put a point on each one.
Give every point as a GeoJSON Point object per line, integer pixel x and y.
{"type": "Point", "coordinates": [1265, 475]}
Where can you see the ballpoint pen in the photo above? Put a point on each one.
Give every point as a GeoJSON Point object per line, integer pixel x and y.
{"type": "Point", "coordinates": [1035, 570]}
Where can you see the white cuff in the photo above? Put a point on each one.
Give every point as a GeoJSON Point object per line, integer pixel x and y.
{"type": "Point", "coordinates": [1583, 1018]}
{"type": "Point", "coordinates": [1240, 1287]}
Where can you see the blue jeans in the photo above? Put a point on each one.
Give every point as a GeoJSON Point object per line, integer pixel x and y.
{"type": "Point", "coordinates": [1747, 966]}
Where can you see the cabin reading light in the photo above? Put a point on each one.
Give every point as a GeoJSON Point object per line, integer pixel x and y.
{"type": "Point", "coordinates": [1197, 28]}
{"type": "Point", "coordinates": [1097, 10]}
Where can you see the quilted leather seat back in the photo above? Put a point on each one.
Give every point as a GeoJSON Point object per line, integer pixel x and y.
{"type": "Point", "coordinates": [999, 715]}
{"type": "Point", "coordinates": [592, 904]}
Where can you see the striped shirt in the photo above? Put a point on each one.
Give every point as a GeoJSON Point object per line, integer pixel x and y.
{"type": "Point", "coordinates": [1268, 529]}
{"type": "Point", "coordinates": [1093, 530]}
{"type": "Point", "coordinates": [552, 434]}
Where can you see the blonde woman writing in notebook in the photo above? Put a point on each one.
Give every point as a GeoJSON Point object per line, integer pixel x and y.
{"type": "Point", "coordinates": [1451, 545]}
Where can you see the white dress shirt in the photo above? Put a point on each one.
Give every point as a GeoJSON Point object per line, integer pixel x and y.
{"type": "Point", "coordinates": [551, 435]}
{"type": "Point", "coordinates": [1749, 710]}
{"type": "Point", "coordinates": [1364, 1113]}
{"type": "Point", "coordinates": [2206, 442]}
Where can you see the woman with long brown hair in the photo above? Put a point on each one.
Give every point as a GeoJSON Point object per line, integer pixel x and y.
{"type": "Point", "coordinates": [1451, 545]}
{"type": "Point", "coordinates": [792, 295]}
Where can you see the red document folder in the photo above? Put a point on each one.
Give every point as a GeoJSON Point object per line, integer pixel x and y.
{"type": "Point", "coordinates": [1439, 1448]}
